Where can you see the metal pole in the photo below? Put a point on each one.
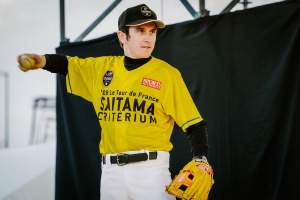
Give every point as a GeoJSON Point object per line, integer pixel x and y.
{"type": "Point", "coordinates": [188, 6]}
{"type": "Point", "coordinates": [33, 122]}
{"type": "Point", "coordinates": [62, 21]}
{"type": "Point", "coordinates": [6, 108]}
{"type": "Point", "coordinates": [97, 21]}
{"type": "Point", "coordinates": [203, 12]}
{"type": "Point", "coordinates": [245, 3]}
{"type": "Point", "coordinates": [6, 142]}
{"type": "Point", "coordinates": [230, 6]}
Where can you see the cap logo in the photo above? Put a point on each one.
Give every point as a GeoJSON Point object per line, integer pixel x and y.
{"type": "Point", "coordinates": [146, 11]}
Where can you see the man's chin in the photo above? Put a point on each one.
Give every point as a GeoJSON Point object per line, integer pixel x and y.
{"type": "Point", "coordinates": [146, 54]}
{"type": "Point", "coordinates": [143, 56]}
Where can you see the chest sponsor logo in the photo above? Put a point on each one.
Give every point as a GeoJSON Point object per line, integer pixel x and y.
{"type": "Point", "coordinates": [107, 78]}
{"type": "Point", "coordinates": [151, 83]}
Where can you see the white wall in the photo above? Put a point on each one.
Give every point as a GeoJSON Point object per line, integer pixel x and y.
{"type": "Point", "coordinates": [24, 168]}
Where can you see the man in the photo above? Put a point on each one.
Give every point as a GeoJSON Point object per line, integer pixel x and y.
{"type": "Point", "coordinates": [137, 99]}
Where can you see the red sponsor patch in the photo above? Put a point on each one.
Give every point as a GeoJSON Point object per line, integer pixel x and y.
{"type": "Point", "coordinates": [151, 83]}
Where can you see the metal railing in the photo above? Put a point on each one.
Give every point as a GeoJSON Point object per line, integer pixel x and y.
{"type": "Point", "coordinates": [42, 119]}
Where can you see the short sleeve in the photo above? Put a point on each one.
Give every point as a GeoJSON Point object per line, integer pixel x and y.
{"type": "Point", "coordinates": [81, 76]}
{"type": "Point", "coordinates": [179, 104]}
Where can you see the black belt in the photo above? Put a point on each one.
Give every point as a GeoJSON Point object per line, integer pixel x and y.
{"type": "Point", "coordinates": [123, 158]}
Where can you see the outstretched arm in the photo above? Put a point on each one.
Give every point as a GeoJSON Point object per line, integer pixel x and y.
{"type": "Point", "coordinates": [51, 62]}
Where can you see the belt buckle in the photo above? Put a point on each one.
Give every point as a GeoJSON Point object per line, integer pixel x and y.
{"type": "Point", "coordinates": [125, 156]}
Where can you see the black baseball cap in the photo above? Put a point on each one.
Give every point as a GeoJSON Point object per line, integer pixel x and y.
{"type": "Point", "coordinates": [138, 15]}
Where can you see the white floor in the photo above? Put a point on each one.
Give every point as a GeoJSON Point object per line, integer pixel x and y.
{"type": "Point", "coordinates": [27, 173]}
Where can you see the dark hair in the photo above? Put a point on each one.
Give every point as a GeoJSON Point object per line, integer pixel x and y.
{"type": "Point", "coordinates": [125, 29]}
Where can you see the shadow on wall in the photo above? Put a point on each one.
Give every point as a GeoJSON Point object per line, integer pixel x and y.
{"type": "Point", "coordinates": [28, 173]}
{"type": "Point", "coordinates": [40, 187]}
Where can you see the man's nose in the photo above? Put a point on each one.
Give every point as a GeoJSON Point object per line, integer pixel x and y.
{"type": "Point", "coordinates": [148, 37]}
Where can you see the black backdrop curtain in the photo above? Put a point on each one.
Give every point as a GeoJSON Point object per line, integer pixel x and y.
{"type": "Point", "coordinates": [242, 70]}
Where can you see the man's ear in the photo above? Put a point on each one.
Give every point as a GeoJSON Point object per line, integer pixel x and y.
{"type": "Point", "coordinates": [121, 36]}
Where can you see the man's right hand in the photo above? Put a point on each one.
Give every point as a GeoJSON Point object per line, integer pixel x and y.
{"type": "Point", "coordinates": [31, 61]}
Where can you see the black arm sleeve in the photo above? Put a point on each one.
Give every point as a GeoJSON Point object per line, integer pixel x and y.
{"type": "Point", "coordinates": [198, 138]}
{"type": "Point", "coordinates": [56, 63]}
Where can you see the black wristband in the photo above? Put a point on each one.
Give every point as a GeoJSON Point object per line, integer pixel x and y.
{"type": "Point", "coordinates": [198, 138]}
{"type": "Point", "coordinates": [56, 63]}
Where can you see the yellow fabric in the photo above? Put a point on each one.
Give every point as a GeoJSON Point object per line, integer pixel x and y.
{"type": "Point", "coordinates": [194, 181]}
{"type": "Point", "coordinates": [136, 109]}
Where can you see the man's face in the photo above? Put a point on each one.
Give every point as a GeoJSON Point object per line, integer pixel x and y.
{"type": "Point", "coordinates": [141, 40]}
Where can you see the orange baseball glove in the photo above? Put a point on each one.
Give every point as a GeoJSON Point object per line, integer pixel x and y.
{"type": "Point", "coordinates": [194, 181]}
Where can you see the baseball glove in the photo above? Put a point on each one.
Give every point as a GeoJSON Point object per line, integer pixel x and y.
{"type": "Point", "coordinates": [194, 181]}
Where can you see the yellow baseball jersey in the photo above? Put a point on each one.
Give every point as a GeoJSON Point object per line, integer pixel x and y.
{"type": "Point", "coordinates": [136, 109]}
